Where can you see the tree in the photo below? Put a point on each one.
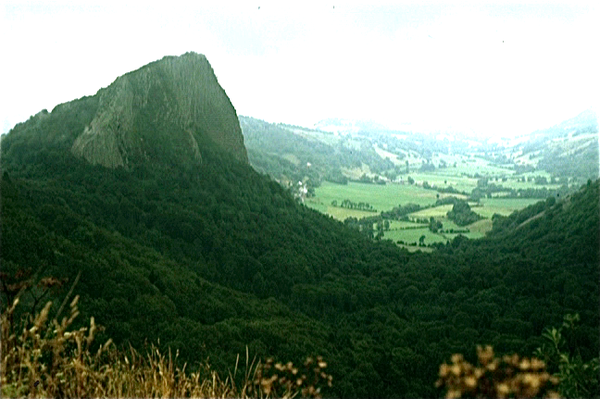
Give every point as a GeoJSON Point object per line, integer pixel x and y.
{"type": "Point", "coordinates": [462, 214]}
{"type": "Point", "coordinates": [435, 225]}
{"type": "Point", "coordinates": [422, 240]}
{"type": "Point", "coordinates": [259, 286]}
{"type": "Point", "coordinates": [411, 180]}
{"type": "Point", "coordinates": [577, 378]}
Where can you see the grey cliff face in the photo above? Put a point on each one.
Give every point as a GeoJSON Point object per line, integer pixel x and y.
{"type": "Point", "coordinates": [163, 112]}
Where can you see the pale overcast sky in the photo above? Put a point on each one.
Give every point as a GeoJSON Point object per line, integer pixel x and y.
{"type": "Point", "coordinates": [486, 67]}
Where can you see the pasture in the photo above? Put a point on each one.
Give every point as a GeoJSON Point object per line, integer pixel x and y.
{"type": "Point", "coordinates": [382, 197]}
{"type": "Point", "coordinates": [385, 197]}
{"type": "Point", "coordinates": [502, 206]}
{"type": "Point", "coordinates": [337, 212]}
{"type": "Point", "coordinates": [439, 179]}
{"type": "Point", "coordinates": [469, 165]}
{"type": "Point", "coordinates": [401, 224]}
{"type": "Point", "coordinates": [488, 207]}
{"type": "Point", "coordinates": [438, 212]}
{"type": "Point", "coordinates": [413, 235]}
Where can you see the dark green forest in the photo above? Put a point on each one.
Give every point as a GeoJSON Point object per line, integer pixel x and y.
{"type": "Point", "coordinates": [215, 258]}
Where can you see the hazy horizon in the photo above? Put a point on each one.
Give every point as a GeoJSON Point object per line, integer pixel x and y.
{"type": "Point", "coordinates": [490, 68]}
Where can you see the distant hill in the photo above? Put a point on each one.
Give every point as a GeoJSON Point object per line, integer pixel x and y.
{"type": "Point", "coordinates": [584, 123]}
{"type": "Point", "coordinates": [569, 148]}
{"type": "Point", "coordinates": [292, 153]}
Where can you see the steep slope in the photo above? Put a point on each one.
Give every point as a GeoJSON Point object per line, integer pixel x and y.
{"type": "Point", "coordinates": [161, 114]}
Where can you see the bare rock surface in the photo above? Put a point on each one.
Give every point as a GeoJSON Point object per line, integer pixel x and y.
{"type": "Point", "coordinates": [163, 112]}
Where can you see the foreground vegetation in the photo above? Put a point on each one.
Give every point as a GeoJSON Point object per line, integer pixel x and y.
{"type": "Point", "coordinates": [48, 358]}
{"type": "Point", "coordinates": [43, 358]}
{"type": "Point", "coordinates": [561, 374]}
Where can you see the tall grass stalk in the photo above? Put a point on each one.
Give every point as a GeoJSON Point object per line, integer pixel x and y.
{"type": "Point", "coordinates": [45, 358]}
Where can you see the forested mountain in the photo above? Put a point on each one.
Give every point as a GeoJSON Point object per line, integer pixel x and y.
{"type": "Point", "coordinates": [212, 257]}
{"type": "Point", "coordinates": [291, 153]}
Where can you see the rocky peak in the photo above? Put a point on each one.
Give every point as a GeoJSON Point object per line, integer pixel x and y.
{"type": "Point", "coordinates": [165, 111]}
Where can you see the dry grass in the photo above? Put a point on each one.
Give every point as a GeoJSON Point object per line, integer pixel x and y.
{"type": "Point", "coordinates": [43, 358]}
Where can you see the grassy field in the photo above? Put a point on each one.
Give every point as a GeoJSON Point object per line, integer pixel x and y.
{"type": "Point", "coordinates": [337, 212]}
{"type": "Point", "coordinates": [439, 179]}
{"type": "Point", "coordinates": [478, 229]}
{"type": "Point", "coordinates": [382, 197]}
{"type": "Point", "coordinates": [409, 236]}
{"type": "Point", "coordinates": [442, 178]}
{"type": "Point", "coordinates": [385, 197]}
{"type": "Point", "coordinates": [343, 213]}
{"type": "Point", "coordinates": [502, 206]}
{"type": "Point", "coordinates": [437, 212]}
{"type": "Point", "coordinates": [513, 183]}
{"type": "Point", "coordinates": [469, 165]}
{"type": "Point", "coordinates": [459, 174]}
{"type": "Point", "coordinates": [401, 224]}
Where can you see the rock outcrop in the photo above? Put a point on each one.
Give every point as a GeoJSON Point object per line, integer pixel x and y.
{"type": "Point", "coordinates": [164, 112]}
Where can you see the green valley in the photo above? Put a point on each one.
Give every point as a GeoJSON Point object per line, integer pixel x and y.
{"type": "Point", "coordinates": [386, 169]}
{"type": "Point", "coordinates": [222, 252]}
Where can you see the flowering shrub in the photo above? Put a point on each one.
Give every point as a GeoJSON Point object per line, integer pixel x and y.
{"type": "Point", "coordinates": [509, 376]}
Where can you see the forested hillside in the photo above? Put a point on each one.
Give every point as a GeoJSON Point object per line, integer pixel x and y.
{"type": "Point", "coordinates": [213, 257]}
{"type": "Point", "coordinates": [569, 148]}
{"type": "Point", "coordinates": [562, 154]}
{"type": "Point", "coordinates": [290, 153]}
